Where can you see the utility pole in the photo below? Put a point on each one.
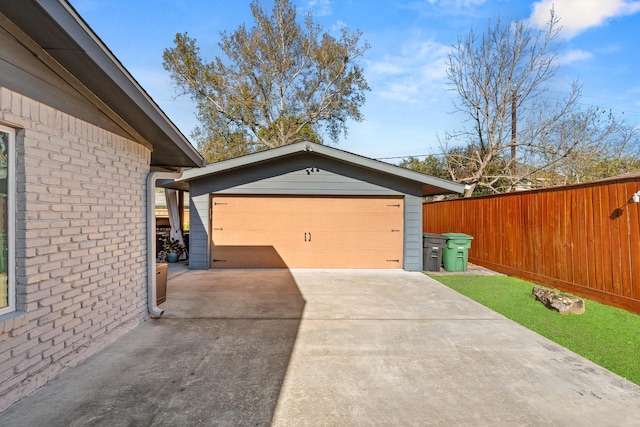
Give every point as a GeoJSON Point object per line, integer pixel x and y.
{"type": "Point", "coordinates": [514, 97]}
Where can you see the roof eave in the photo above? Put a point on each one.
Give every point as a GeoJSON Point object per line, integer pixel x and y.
{"type": "Point", "coordinates": [63, 34]}
{"type": "Point", "coordinates": [431, 185]}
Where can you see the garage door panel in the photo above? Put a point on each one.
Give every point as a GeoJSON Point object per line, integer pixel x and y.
{"type": "Point", "coordinates": [237, 220]}
{"type": "Point", "coordinates": [353, 239]}
{"type": "Point", "coordinates": [237, 256]}
{"type": "Point", "coordinates": [261, 237]}
{"type": "Point", "coordinates": [359, 222]}
{"type": "Point", "coordinates": [349, 260]}
{"type": "Point", "coordinates": [307, 232]}
{"type": "Point", "coordinates": [251, 221]}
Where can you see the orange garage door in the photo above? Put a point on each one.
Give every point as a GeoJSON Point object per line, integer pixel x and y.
{"type": "Point", "coordinates": [306, 232]}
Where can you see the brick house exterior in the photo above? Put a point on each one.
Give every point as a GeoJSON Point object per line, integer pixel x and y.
{"type": "Point", "coordinates": [82, 162]}
{"type": "Point", "coordinates": [80, 243]}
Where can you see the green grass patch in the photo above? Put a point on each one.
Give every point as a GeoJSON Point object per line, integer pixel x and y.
{"type": "Point", "coordinates": [605, 335]}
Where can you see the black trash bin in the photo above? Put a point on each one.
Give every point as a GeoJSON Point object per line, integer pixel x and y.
{"type": "Point", "coordinates": [432, 247]}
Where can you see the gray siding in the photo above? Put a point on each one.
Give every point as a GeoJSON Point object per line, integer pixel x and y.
{"type": "Point", "coordinates": [289, 176]}
{"type": "Point", "coordinates": [412, 233]}
{"type": "Point", "coordinates": [305, 174]}
{"type": "Point", "coordinates": [199, 232]}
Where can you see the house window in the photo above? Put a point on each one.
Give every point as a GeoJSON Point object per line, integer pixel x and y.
{"type": "Point", "coordinates": [7, 220]}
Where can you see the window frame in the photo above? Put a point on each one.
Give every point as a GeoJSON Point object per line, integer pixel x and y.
{"type": "Point", "coordinates": [11, 220]}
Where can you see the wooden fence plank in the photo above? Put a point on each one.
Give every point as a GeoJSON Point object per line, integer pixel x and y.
{"type": "Point", "coordinates": [545, 237]}
{"type": "Point", "coordinates": [569, 227]}
{"type": "Point", "coordinates": [624, 228]}
{"type": "Point", "coordinates": [519, 248]}
{"type": "Point", "coordinates": [615, 242]}
{"type": "Point", "coordinates": [577, 248]}
{"type": "Point", "coordinates": [591, 239]}
{"type": "Point", "coordinates": [531, 209]}
{"type": "Point", "coordinates": [605, 238]}
{"type": "Point", "coordinates": [634, 238]}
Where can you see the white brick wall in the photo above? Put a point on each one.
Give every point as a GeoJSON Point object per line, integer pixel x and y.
{"type": "Point", "coordinates": [80, 244]}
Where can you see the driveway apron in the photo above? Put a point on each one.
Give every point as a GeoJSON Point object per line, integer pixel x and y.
{"type": "Point", "coordinates": [328, 348]}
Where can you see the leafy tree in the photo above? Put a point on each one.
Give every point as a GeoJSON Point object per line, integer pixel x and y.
{"type": "Point", "coordinates": [431, 165]}
{"type": "Point", "coordinates": [458, 164]}
{"type": "Point", "coordinates": [217, 143]}
{"type": "Point", "coordinates": [464, 164]}
{"type": "Point", "coordinates": [305, 132]}
{"type": "Point", "coordinates": [517, 133]}
{"type": "Point", "coordinates": [279, 82]}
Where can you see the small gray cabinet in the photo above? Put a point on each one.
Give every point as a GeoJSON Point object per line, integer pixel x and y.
{"type": "Point", "coordinates": [161, 283]}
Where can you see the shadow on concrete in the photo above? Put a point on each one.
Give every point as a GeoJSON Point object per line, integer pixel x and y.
{"type": "Point", "coordinates": [217, 357]}
{"type": "Point", "coordinates": [250, 322]}
{"type": "Point", "coordinates": [242, 256]}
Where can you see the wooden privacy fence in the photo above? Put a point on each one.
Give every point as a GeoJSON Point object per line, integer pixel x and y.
{"type": "Point", "coordinates": [583, 239]}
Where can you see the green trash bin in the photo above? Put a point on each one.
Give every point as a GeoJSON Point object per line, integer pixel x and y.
{"type": "Point", "coordinates": [455, 255]}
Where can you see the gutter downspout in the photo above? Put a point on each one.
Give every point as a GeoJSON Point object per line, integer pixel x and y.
{"type": "Point", "coordinates": [154, 310]}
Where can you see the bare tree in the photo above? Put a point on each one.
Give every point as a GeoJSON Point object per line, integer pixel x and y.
{"type": "Point", "coordinates": [516, 131]}
{"type": "Point", "coordinates": [603, 146]}
{"type": "Point", "coordinates": [279, 81]}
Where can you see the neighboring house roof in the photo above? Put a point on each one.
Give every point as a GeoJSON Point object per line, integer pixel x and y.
{"type": "Point", "coordinates": [430, 184]}
{"type": "Point", "coordinates": [628, 175]}
{"type": "Point", "coordinates": [64, 35]}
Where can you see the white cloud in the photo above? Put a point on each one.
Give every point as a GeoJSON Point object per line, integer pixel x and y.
{"type": "Point", "coordinates": [574, 55]}
{"type": "Point", "coordinates": [444, 7]}
{"type": "Point", "coordinates": [579, 15]}
{"type": "Point", "coordinates": [413, 74]}
{"type": "Point", "coordinates": [338, 25]}
{"type": "Point", "coordinates": [320, 7]}
{"type": "Point", "coordinates": [463, 3]}
{"type": "Point", "coordinates": [386, 67]}
{"type": "Point", "coordinates": [456, 3]}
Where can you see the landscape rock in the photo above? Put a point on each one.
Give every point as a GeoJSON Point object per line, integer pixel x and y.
{"type": "Point", "coordinates": [554, 300]}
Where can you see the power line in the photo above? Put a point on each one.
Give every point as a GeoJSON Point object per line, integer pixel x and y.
{"type": "Point", "coordinates": [407, 156]}
{"type": "Point", "coordinates": [624, 111]}
{"type": "Point", "coordinates": [402, 157]}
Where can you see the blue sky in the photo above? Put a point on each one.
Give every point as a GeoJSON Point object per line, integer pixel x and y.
{"type": "Point", "coordinates": [409, 104]}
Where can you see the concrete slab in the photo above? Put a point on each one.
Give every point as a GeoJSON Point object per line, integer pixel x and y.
{"type": "Point", "coordinates": [472, 270]}
{"type": "Point", "coordinates": [333, 347]}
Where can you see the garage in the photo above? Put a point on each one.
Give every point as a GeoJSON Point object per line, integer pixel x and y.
{"type": "Point", "coordinates": [306, 232]}
{"type": "Point", "coordinates": [307, 205]}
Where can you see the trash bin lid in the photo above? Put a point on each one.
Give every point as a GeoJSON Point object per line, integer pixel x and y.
{"type": "Point", "coordinates": [432, 235]}
{"type": "Point", "coordinates": [433, 239]}
{"type": "Point", "coordinates": [458, 236]}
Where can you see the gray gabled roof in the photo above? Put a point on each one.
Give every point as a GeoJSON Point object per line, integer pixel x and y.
{"type": "Point", "coordinates": [64, 35]}
{"type": "Point", "coordinates": [430, 184]}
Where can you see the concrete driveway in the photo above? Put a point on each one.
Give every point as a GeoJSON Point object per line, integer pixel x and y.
{"type": "Point", "coordinates": [328, 348]}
